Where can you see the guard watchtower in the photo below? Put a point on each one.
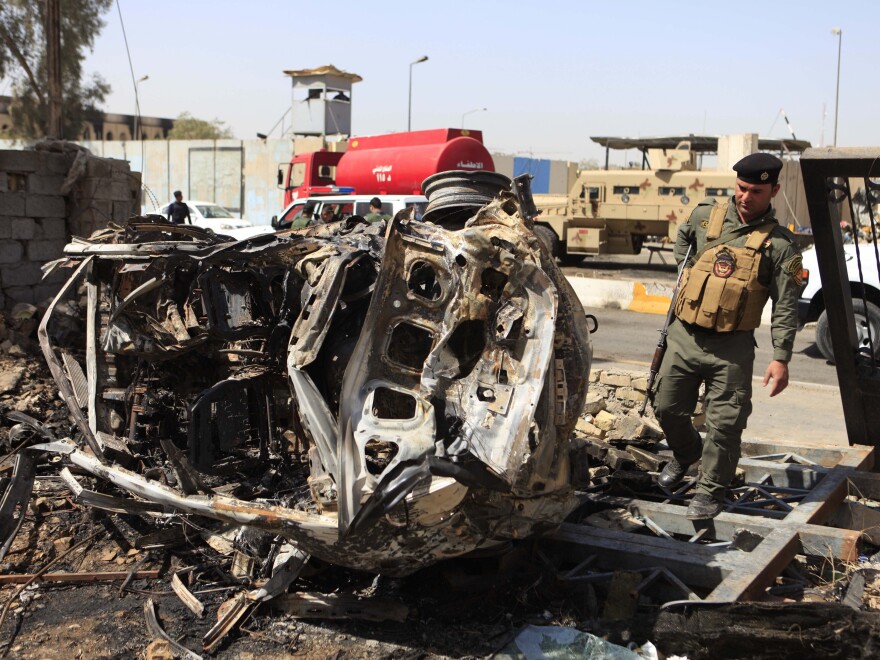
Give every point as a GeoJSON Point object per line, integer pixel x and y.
{"type": "Point", "coordinates": [321, 101]}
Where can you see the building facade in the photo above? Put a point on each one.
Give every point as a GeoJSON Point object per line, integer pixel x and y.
{"type": "Point", "coordinates": [104, 125]}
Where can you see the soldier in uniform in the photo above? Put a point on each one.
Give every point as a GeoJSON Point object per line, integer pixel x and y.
{"type": "Point", "coordinates": [740, 257]}
{"type": "Point", "coordinates": [375, 214]}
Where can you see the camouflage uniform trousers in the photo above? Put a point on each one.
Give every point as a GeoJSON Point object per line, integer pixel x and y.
{"type": "Point", "coordinates": [724, 361]}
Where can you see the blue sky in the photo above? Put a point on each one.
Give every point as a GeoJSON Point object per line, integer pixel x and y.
{"type": "Point", "coordinates": [551, 73]}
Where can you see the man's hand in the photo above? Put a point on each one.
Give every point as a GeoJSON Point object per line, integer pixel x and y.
{"type": "Point", "coordinates": [777, 372]}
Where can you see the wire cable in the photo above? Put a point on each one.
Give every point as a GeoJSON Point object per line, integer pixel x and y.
{"type": "Point", "coordinates": [137, 103]}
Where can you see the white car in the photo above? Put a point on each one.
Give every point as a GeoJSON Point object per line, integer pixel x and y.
{"type": "Point", "coordinates": [811, 305]}
{"type": "Point", "coordinates": [218, 219]}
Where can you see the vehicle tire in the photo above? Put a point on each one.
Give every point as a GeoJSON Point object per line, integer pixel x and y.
{"type": "Point", "coordinates": [549, 238]}
{"type": "Point", "coordinates": [862, 318]}
{"type": "Point", "coordinates": [571, 259]}
{"type": "Point", "coordinates": [823, 337]}
{"type": "Point", "coordinates": [638, 241]}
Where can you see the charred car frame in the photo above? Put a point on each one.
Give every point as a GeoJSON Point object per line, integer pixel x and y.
{"type": "Point", "coordinates": [379, 397]}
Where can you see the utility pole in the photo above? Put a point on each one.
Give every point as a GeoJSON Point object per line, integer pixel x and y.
{"type": "Point", "coordinates": [53, 61]}
{"type": "Point", "coordinates": [423, 58]}
{"type": "Point", "coordinates": [839, 33]}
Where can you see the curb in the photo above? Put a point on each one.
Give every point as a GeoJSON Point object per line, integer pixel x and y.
{"type": "Point", "coordinates": [631, 295]}
{"type": "Point", "coordinates": [645, 297]}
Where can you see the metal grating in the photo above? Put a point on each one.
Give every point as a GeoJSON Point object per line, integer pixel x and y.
{"type": "Point", "coordinates": [793, 501]}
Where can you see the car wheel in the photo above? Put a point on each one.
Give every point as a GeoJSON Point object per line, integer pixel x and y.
{"type": "Point", "coordinates": [549, 238]}
{"type": "Point", "coordinates": [823, 337]}
{"type": "Point", "coordinates": [863, 317]}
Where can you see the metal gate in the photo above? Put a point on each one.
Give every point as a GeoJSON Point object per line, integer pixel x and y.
{"type": "Point", "coordinates": [830, 177]}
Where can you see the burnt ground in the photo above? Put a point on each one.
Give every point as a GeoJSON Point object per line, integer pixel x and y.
{"type": "Point", "coordinates": [462, 608]}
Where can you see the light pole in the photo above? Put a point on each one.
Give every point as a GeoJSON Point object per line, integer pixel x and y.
{"type": "Point", "coordinates": [137, 105]}
{"type": "Point", "coordinates": [423, 58]}
{"type": "Point", "coordinates": [470, 112]}
{"type": "Point", "coordinates": [839, 34]}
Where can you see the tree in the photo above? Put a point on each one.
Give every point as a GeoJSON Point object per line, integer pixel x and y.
{"type": "Point", "coordinates": [187, 127]}
{"type": "Point", "coordinates": [589, 164]}
{"type": "Point", "coordinates": [23, 59]}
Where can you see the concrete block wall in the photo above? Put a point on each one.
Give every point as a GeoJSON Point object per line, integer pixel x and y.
{"type": "Point", "coordinates": [107, 191]}
{"type": "Point", "coordinates": [37, 219]}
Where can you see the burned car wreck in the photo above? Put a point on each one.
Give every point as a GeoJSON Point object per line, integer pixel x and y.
{"type": "Point", "coordinates": [377, 397]}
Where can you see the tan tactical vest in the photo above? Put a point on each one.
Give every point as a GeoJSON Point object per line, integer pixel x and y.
{"type": "Point", "coordinates": [721, 291]}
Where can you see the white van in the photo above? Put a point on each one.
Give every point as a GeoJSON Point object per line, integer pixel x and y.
{"type": "Point", "coordinates": [344, 206]}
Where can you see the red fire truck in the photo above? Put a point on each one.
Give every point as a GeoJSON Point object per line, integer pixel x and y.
{"type": "Point", "coordinates": [394, 164]}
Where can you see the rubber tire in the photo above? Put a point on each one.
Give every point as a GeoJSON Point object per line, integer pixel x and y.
{"type": "Point", "coordinates": [823, 337]}
{"type": "Point", "coordinates": [549, 238]}
{"type": "Point", "coordinates": [638, 241]}
{"type": "Point", "coordinates": [823, 333]}
{"type": "Point", "coordinates": [572, 259]}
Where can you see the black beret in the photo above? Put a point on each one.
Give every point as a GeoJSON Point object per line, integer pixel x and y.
{"type": "Point", "coordinates": [758, 168]}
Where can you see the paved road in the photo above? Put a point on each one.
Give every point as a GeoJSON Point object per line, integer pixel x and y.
{"type": "Point", "coordinates": [630, 338]}
{"type": "Point", "coordinates": [627, 266]}
{"type": "Point", "coordinates": [809, 411]}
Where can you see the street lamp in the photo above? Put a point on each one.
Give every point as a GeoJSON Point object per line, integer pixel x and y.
{"type": "Point", "coordinates": [137, 105]}
{"type": "Point", "coordinates": [470, 112]}
{"type": "Point", "coordinates": [839, 34]}
{"type": "Point", "coordinates": [423, 58]}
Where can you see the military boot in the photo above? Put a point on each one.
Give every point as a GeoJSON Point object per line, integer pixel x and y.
{"type": "Point", "coordinates": [672, 474]}
{"type": "Point", "coordinates": [704, 507]}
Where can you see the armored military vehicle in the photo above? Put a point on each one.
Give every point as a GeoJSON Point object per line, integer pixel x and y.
{"type": "Point", "coordinates": [612, 211]}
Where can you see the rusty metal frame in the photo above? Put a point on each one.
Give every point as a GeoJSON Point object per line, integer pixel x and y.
{"type": "Point", "coordinates": [722, 570]}
{"type": "Point", "coordinates": [825, 171]}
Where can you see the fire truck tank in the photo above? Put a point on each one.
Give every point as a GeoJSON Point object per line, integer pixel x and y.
{"type": "Point", "coordinates": [396, 164]}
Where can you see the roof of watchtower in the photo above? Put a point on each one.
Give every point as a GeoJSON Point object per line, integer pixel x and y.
{"type": "Point", "coordinates": [328, 69]}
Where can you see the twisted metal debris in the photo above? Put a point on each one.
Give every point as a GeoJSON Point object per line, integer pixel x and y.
{"type": "Point", "coordinates": [379, 397]}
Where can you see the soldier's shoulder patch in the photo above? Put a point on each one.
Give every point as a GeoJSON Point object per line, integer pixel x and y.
{"type": "Point", "coordinates": [704, 223]}
{"type": "Point", "coordinates": [795, 269]}
{"type": "Point", "coordinates": [767, 243]}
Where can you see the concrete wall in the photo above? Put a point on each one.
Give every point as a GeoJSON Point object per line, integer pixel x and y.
{"type": "Point", "coordinates": [732, 148]}
{"type": "Point", "coordinates": [791, 202]}
{"type": "Point", "coordinates": [37, 219]}
{"type": "Point", "coordinates": [238, 174]}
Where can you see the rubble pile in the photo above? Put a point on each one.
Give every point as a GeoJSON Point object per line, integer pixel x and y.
{"type": "Point", "coordinates": [47, 193]}
{"type": "Point", "coordinates": [387, 429]}
{"type": "Point", "coordinates": [377, 399]}
{"type": "Point", "coordinates": [465, 607]}
{"type": "Point", "coordinates": [26, 386]}
{"type": "Point", "coordinates": [611, 410]}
